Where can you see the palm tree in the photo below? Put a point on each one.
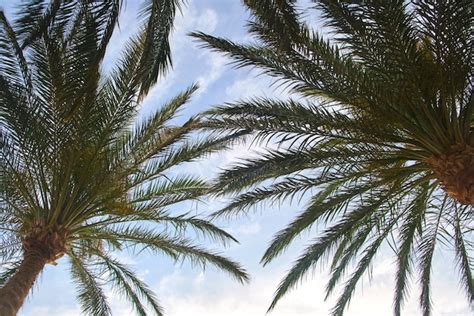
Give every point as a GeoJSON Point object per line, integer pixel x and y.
{"type": "Point", "coordinates": [80, 175]}
{"type": "Point", "coordinates": [382, 133]}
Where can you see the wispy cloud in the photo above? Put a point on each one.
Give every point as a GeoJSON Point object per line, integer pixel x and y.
{"type": "Point", "coordinates": [202, 294]}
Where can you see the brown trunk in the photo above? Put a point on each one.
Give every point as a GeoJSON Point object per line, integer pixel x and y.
{"type": "Point", "coordinates": [455, 172]}
{"type": "Point", "coordinates": [41, 245]}
{"type": "Point", "coordinates": [13, 294]}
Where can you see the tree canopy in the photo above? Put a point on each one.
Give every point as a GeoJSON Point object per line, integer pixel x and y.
{"type": "Point", "coordinates": [379, 132]}
{"type": "Point", "coordinates": [80, 175]}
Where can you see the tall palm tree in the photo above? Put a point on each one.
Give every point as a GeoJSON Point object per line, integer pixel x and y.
{"type": "Point", "coordinates": [382, 133]}
{"type": "Point", "coordinates": [80, 176]}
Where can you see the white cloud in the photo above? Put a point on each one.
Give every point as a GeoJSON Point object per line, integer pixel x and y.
{"type": "Point", "coordinates": [248, 229]}
{"type": "Point", "coordinates": [249, 86]}
{"type": "Point", "coordinates": [207, 21]}
{"type": "Point", "coordinates": [216, 64]}
{"type": "Point", "coordinates": [52, 310]}
{"type": "Point", "coordinates": [193, 19]}
{"type": "Point", "coordinates": [210, 293]}
{"type": "Point", "coordinates": [184, 295]}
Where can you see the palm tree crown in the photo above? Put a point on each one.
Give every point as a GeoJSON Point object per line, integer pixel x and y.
{"type": "Point", "coordinates": [382, 133]}
{"type": "Point", "coordinates": [80, 176]}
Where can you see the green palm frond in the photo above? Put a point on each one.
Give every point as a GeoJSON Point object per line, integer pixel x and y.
{"type": "Point", "coordinates": [463, 257]}
{"type": "Point", "coordinates": [7, 273]}
{"type": "Point", "coordinates": [176, 247]}
{"type": "Point", "coordinates": [276, 21]}
{"type": "Point", "coordinates": [427, 248]}
{"type": "Point", "coordinates": [89, 292]}
{"type": "Point", "coordinates": [159, 17]}
{"type": "Point", "coordinates": [381, 137]}
{"type": "Point", "coordinates": [124, 280]}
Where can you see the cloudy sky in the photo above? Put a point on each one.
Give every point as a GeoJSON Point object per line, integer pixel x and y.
{"type": "Point", "coordinates": [185, 290]}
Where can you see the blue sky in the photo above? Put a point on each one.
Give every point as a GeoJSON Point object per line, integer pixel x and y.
{"type": "Point", "coordinates": [185, 290]}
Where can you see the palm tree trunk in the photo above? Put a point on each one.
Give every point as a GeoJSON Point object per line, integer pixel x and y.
{"type": "Point", "coordinates": [13, 294]}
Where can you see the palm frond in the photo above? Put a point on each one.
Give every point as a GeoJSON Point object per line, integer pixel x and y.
{"type": "Point", "coordinates": [463, 259]}
{"type": "Point", "coordinates": [175, 247]}
{"type": "Point", "coordinates": [89, 291]}
{"type": "Point", "coordinates": [124, 280]}
{"type": "Point", "coordinates": [159, 16]}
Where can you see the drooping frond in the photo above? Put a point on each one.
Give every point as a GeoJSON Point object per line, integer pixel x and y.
{"type": "Point", "coordinates": [89, 292]}
{"type": "Point", "coordinates": [125, 280]}
{"type": "Point", "coordinates": [176, 247]}
{"type": "Point", "coordinates": [159, 16]}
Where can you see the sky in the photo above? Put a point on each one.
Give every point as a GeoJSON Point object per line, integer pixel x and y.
{"type": "Point", "coordinates": [186, 290]}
